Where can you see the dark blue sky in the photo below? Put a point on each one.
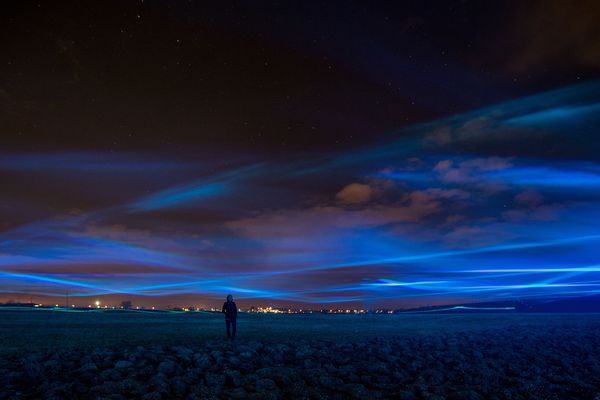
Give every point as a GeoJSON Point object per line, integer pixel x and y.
{"type": "Point", "coordinates": [299, 153]}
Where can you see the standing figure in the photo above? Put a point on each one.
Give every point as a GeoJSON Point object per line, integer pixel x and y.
{"type": "Point", "coordinates": [230, 311]}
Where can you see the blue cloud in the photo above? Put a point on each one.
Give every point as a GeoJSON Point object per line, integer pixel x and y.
{"type": "Point", "coordinates": [444, 218]}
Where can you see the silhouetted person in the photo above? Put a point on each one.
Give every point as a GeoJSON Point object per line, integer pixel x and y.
{"type": "Point", "coordinates": [230, 311]}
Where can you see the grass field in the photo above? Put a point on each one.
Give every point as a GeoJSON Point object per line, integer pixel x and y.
{"type": "Point", "coordinates": [97, 354]}
{"type": "Point", "coordinates": [42, 329]}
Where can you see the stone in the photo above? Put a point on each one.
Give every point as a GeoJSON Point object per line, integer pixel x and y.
{"type": "Point", "coordinates": [167, 367]}
{"type": "Point", "coordinates": [122, 364]}
{"type": "Point", "coordinates": [265, 385]}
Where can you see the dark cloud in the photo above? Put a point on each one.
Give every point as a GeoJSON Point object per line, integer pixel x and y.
{"type": "Point", "coordinates": [560, 34]}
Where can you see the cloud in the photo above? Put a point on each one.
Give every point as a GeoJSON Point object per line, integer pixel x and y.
{"type": "Point", "coordinates": [210, 228]}
{"type": "Point", "coordinates": [486, 164]}
{"type": "Point", "coordinates": [454, 218]}
{"type": "Point", "coordinates": [476, 127]}
{"type": "Point", "coordinates": [438, 137]}
{"type": "Point", "coordinates": [354, 193]}
{"type": "Point", "coordinates": [412, 207]}
{"type": "Point", "coordinates": [458, 194]}
{"type": "Point", "coordinates": [473, 173]}
{"type": "Point", "coordinates": [572, 41]}
{"type": "Point", "coordinates": [529, 198]}
{"type": "Point", "coordinates": [443, 165]}
{"type": "Point", "coordinates": [542, 213]}
{"type": "Point", "coordinates": [469, 236]}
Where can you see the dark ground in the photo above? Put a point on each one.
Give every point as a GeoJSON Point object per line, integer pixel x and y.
{"type": "Point", "coordinates": [58, 355]}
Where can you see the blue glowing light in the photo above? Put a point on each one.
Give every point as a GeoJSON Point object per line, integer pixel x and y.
{"type": "Point", "coordinates": [554, 115]}
{"type": "Point", "coordinates": [549, 177]}
{"type": "Point", "coordinates": [171, 197]}
{"type": "Point", "coordinates": [454, 308]}
{"type": "Point", "coordinates": [434, 211]}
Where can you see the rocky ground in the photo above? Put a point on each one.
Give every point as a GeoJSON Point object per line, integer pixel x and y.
{"type": "Point", "coordinates": [510, 363]}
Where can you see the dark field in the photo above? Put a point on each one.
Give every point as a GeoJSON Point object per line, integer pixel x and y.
{"type": "Point", "coordinates": [41, 329]}
{"type": "Point", "coordinates": [115, 355]}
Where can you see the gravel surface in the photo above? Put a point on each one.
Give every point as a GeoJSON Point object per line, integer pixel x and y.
{"type": "Point", "coordinates": [510, 363]}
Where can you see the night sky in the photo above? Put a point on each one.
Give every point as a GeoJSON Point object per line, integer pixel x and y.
{"type": "Point", "coordinates": [319, 154]}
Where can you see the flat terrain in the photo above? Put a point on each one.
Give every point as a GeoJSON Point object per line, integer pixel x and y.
{"type": "Point", "coordinates": [153, 356]}
{"type": "Point", "coordinates": [44, 329]}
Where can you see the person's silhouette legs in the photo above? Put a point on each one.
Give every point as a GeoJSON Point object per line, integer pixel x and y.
{"type": "Point", "coordinates": [231, 328]}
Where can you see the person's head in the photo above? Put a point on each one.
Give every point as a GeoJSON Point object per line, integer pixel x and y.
{"type": "Point", "coordinates": [229, 297]}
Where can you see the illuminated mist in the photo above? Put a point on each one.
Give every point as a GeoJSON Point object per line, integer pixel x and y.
{"type": "Point", "coordinates": [495, 204]}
